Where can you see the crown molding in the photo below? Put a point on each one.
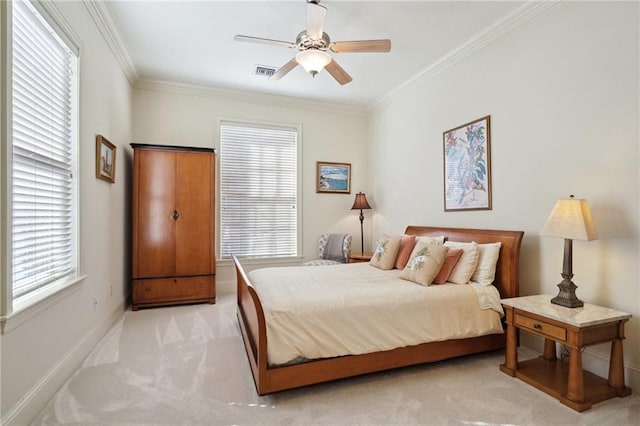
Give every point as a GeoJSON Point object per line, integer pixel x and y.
{"type": "Point", "coordinates": [250, 97]}
{"type": "Point", "coordinates": [103, 21]}
{"type": "Point", "coordinates": [521, 15]}
{"type": "Point", "coordinates": [513, 20]}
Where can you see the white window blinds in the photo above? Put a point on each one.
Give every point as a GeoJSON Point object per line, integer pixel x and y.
{"type": "Point", "coordinates": [43, 137]}
{"type": "Point", "coordinates": [258, 191]}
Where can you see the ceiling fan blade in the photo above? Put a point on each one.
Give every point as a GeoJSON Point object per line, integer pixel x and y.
{"type": "Point", "coordinates": [338, 73]}
{"type": "Point", "coordinates": [264, 41]}
{"type": "Point", "coordinates": [361, 46]}
{"type": "Point", "coordinates": [315, 20]}
{"type": "Point", "coordinates": [284, 70]}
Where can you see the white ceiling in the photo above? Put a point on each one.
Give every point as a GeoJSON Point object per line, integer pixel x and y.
{"type": "Point", "coordinates": [191, 42]}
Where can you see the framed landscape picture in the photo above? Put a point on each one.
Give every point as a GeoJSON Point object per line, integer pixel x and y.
{"type": "Point", "coordinates": [105, 159]}
{"type": "Point", "coordinates": [467, 166]}
{"type": "Point", "coordinates": [333, 177]}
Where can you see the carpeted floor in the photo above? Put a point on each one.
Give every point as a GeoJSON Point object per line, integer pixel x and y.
{"type": "Point", "coordinates": [187, 366]}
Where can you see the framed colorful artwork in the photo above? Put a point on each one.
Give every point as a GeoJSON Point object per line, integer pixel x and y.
{"type": "Point", "coordinates": [467, 166]}
{"type": "Point", "coordinates": [333, 177]}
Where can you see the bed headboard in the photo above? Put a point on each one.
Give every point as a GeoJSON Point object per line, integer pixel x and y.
{"type": "Point", "coordinates": [507, 270]}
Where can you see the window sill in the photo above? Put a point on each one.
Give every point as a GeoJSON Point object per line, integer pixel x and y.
{"type": "Point", "coordinates": [30, 305]}
{"type": "Point", "coordinates": [273, 261]}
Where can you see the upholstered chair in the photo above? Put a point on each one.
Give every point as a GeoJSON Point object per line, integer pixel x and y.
{"type": "Point", "coordinates": [326, 258]}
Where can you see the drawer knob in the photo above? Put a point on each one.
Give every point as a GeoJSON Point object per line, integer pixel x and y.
{"type": "Point", "coordinates": [537, 326]}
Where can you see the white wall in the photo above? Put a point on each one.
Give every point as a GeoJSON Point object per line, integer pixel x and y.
{"type": "Point", "coordinates": [40, 353]}
{"type": "Point", "coordinates": [179, 115]}
{"type": "Point", "coordinates": [562, 92]}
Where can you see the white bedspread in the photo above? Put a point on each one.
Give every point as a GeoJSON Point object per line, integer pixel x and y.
{"type": "Point", "coordinates": [328, 311]}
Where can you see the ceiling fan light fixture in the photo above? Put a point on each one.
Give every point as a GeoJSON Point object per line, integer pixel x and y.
{"type": "Point", "coordinates": [313, 60]}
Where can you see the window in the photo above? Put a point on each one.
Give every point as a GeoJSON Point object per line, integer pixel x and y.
{"type": "Point", "coordinates": [258, 190]}
{"type": "Point", "coordinates": [43, 133]}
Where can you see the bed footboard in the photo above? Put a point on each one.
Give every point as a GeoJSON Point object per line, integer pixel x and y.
{"type": "Point", "coordinates": [253, 327]}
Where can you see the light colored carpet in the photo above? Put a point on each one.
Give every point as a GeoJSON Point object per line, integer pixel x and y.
{"type": "Point", "coordinates": [187, 366]}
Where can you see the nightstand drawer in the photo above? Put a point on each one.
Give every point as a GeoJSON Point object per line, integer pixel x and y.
{"type": "Point", "coordinates": [541, 327]}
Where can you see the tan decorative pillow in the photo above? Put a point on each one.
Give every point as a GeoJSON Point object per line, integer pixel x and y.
{"type": "Point", "coordinates": [407, 242]}
{"type": "Point", "coordinates": [384, 256]}
{"type": "Point", "coordinates": [425, 262]}
{"type": "Point", "coordinates": [450, 261]}
{"type": "Point", "coordinates": [485, 272]}
{"type": "Point", "coordinates": [466, 266]}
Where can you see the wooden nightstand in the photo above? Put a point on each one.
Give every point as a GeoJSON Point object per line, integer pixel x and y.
{"type": "Point", "coordinates": [575, 328]}
{"type": "Point", "coordinates": [360, 257]}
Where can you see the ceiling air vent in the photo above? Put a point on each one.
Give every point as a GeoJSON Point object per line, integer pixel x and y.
{"type": "Point", "coordinates": [264, 71]}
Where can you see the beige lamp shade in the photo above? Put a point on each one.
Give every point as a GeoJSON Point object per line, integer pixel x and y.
{"type": "Point", "coordinates": [570, 219]}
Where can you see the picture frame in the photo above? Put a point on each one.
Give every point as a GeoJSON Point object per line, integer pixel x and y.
{"type": "Point", "coordinates": [105, 159]}
{"type": "Point", "coordinates": [467, 166]}
{"type": "Point", "coordinates": [333, 178]}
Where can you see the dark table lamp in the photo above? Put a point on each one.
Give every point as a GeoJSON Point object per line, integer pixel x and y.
{"type": "Point", "coordinates": [361, 204]}
{"type": "Point", "coordinates": [570, 219]}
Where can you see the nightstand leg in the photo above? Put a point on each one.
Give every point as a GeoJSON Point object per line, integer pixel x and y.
{"type": "Point", "coordinates": [511, 350]}
{"type": "Point", "coordinates": [575, 387]}
{"type": "Point", "coordinates": [616, 363]}
{"type": "Point", "coordinates": [549, 350]}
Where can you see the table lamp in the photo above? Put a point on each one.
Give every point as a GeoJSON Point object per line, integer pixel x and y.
{"type": "Point", "coordinates": [361, 203]}
{"type": "Point", "coordinates": [570, 219]}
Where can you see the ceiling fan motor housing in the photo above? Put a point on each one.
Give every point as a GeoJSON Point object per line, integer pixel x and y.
{"type": "Point", "coordinates": [303, 42]}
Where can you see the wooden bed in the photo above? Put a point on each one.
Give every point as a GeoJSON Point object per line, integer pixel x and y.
{"type": "Point", "coordinates": [270, 379]}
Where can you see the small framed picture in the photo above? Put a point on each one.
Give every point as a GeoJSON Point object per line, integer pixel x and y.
{"type": "Point", "coordinates": [467, 166]}
{"type": "Point", "coordinates": [333, 177]}
{"type": "Point", "coordinates": [105, 159]}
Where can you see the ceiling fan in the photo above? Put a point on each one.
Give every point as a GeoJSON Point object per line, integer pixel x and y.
{"type": "Point", "coordinates": [313, 45]}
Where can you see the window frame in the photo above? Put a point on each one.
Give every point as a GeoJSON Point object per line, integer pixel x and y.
{"type": "Point", "coordinates": [265, 124]}
{"type": "Point", "coordinates": [14, 311]}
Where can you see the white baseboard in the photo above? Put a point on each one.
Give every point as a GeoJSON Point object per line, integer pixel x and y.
{"type": "Point", "coordinates": [28, 407]}
{"type": "Point", "coordinates": [598, 363]}
{"type": "Point", "coordinates": [225, 287]}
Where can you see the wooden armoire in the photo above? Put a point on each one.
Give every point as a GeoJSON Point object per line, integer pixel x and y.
{"type": "Point", "coordinates": [173, 225]}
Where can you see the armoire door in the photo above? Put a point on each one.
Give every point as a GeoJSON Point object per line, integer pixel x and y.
{"type": "Point", "coordinates": [194, 231]}
{"type": "Point", "coordinates": [154, 224]}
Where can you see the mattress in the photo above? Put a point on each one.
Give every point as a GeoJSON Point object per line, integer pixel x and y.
{"type": "Point", "coordinates": [351, 309]}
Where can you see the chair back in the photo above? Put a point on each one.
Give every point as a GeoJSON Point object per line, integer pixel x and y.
{"type": "Point", "coordinates": [327, 250]}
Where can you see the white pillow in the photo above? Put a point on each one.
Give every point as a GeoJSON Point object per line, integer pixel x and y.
{"type": "Point", "coordinates": [466, 266]}
{"type": "Point", "coordinates": [485, 272]}
{"type": "Point", "coordinates": [438, 240]}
